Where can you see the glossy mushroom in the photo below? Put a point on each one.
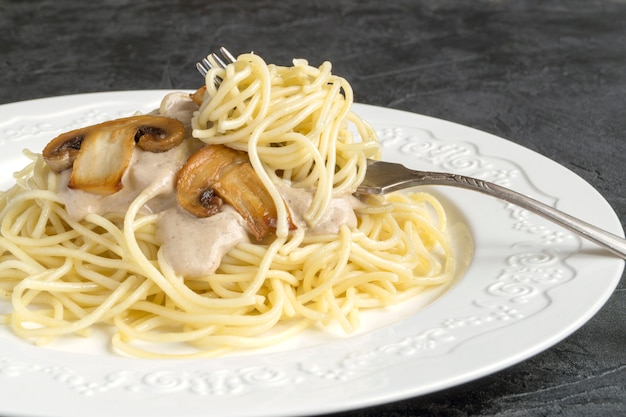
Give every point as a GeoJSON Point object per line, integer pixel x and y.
{"type": "Point", "coordinates": [100, 154]}
{"type": "Point", "coordinates": [215, 174]}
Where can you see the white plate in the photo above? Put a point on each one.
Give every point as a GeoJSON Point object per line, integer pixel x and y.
{"type": "Point", "coordinates": [530, 284]}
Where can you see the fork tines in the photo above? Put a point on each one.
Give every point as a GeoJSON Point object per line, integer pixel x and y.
{"type": "Point", "coordinates": [214, 61]}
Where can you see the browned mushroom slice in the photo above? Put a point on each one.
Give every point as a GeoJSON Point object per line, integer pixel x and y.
{"type": "Point", "coordinates": [241, 188]}
{"type": "Point", "coordinates": [61, 151]}
{"type": "Point", "coordinates": [194, 185]}
{"type": "Point", "coordinates": [152, 133]}
{"type": "Point", "coordinates": [102, 161]}
{"type": "Point", "coordinates": [101, 153]}
{"type": "Point", "coordinates": [216, 172]}
{"type": "Point", "coordinates": [198, 95]}
{"type": "Point", "coordinates": [158, 133]}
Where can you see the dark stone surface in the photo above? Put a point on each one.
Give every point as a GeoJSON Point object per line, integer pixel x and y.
{"type": "Point", "coordinates": [549, 75]}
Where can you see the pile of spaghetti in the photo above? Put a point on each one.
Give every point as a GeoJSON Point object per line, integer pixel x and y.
{"type": "Point", "coordinates": [67, 275]}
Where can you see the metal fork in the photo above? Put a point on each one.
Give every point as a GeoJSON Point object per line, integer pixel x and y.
{"type": "Point", "coordinates": [384, 177]}
{"type": "Point", "coordinates": [214, 61]}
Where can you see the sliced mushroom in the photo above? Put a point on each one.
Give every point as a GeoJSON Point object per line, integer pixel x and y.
{"type": "Point", "coordinates": [103, 158]}
{"type": "Point", "coordinates": [198, 95]}
{"type": "Point", "coordinates": [195, 190]}
{"type": "Point", "coordinates": [100, 154]}
{"type": "Point", "coordinates": [158, 133]}
{"type": "Point", "coordinates": [216, 173]}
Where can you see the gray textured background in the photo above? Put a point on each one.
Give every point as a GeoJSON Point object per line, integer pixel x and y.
{"type": "Point", "coordinates": [549, 75]}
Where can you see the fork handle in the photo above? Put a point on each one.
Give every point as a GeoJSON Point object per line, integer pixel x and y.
{"type": "Point", "coordinates": [601, 237]}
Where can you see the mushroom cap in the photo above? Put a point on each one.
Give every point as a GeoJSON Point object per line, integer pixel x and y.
{"type": "Point", "coordinates": [215, 174]}
{"type": "Point", "coordinates": [100, 154]}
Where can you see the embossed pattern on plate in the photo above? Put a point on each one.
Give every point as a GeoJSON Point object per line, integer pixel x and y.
{"type": "Point", "coordinates": [526, 288]}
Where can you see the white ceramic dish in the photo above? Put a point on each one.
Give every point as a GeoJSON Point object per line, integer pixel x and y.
{"type": "Point", "coordinates": [529, 285]}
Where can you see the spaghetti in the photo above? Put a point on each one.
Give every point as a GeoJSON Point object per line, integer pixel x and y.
{"type": "Point", "coordinates": [68, 274]}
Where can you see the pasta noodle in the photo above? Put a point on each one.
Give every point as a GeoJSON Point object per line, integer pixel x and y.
{"type": "Point", "coordinates": [289, 119]}
{"type": "Point", "coordinates": [65, 275]}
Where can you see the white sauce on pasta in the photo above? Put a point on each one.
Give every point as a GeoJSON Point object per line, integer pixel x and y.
{"type": "Point", "coordinates": [193, 246]}
{"type": "Point", "coordinates": [341, 210]}
{"type": "Point", "coordinates": [147, 170]}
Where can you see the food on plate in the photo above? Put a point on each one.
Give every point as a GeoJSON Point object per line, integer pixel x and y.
{"type": "Point", "coordinates": [224, 220]}
{"type": "Point", "coordinates": [99, 155]}
{"type": "Point", "coordinates": [217, 172]}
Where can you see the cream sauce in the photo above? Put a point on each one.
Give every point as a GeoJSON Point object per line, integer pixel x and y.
{"type": "Point", "coordinates": [195, 246]}
{"type": "Point", "coordinates": [156, 171]}
{"type": "Point", "coordinates": [192, 246]}
{"type": "Point", "coordinates": [341, 210]}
